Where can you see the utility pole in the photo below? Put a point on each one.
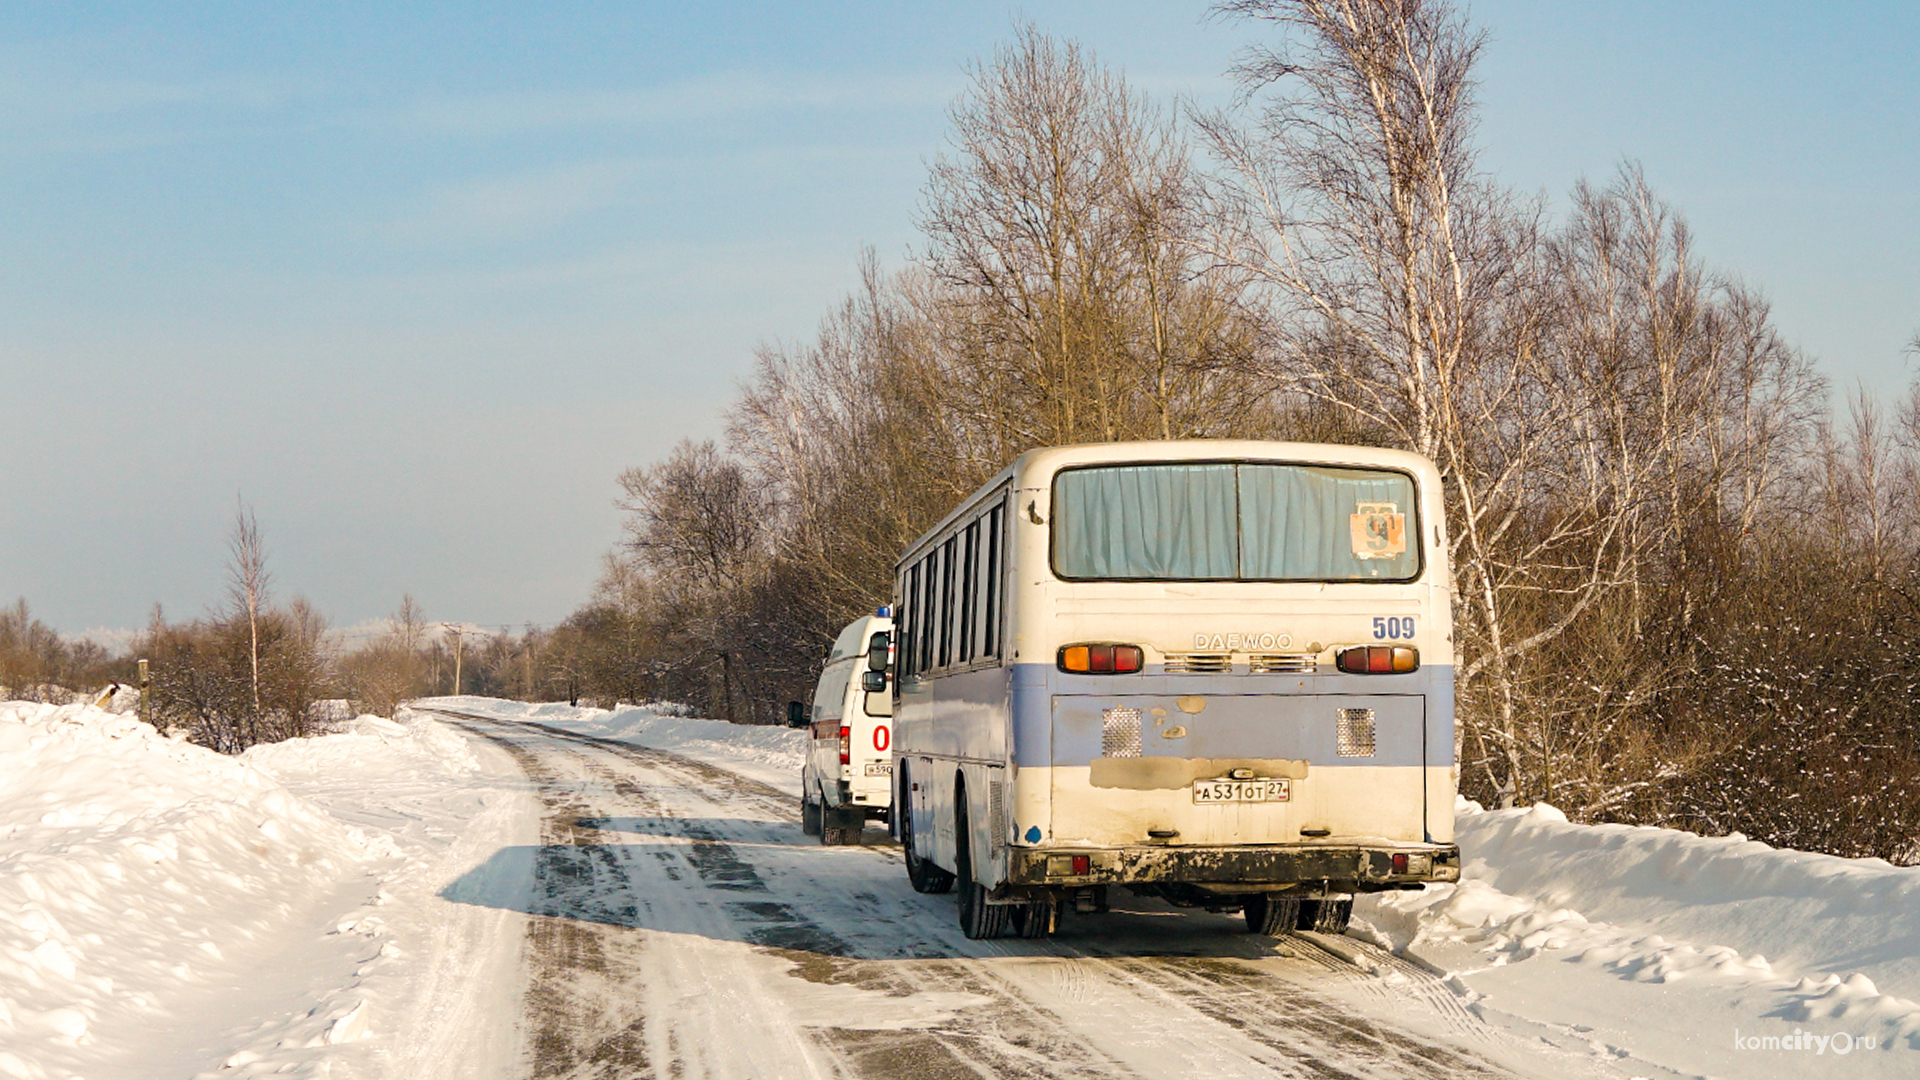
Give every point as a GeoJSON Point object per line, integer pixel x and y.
{"type": "Point", "coordinates": [527, 645]}
{"type": "Point", "coordinates": [455, 631]}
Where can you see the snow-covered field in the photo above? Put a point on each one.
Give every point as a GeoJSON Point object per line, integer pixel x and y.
{"type": "Point", "coordinates": [166, 911]}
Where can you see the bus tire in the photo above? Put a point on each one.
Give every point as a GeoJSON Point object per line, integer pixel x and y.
{"type": "Point", "coordinates": [809, 817]}
{"type": "Point", "coordinates": [922, 874]}
{"type": "Point", "coordinates": [1272, 915]}
{"type": "Point", "coordinates": [1325, 916]}
{"type": "Point", "coordinates": [978, 919]}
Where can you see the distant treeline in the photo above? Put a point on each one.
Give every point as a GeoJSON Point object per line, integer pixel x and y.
{"type": "Point", "coordinates": [239, 676]}
{"type": "Point", "coordinates": [1683, 594]}
{"type": "Point", "coordinates": [37, 664]}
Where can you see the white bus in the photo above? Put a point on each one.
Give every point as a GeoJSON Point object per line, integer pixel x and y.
{"type": "Point", "coordinates": [1216, 672]}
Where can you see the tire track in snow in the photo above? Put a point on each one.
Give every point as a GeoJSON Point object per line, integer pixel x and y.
{"type": "Point", "coordinates": [572, 1034]}
{"type": "Point", "coordinates": [1387, 977]}
{"type": "Point", "coordinates": [1001, 1037]}
{"type": "Point", "coordinates": [1316, 1040]}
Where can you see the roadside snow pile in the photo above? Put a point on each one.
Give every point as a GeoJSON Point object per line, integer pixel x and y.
{"type": "Point", "coordinates": [1548, 910]}
{"type": "Point", "coordinates": [438, 976]}
{"type": "Point", "coordinates": [141, 880]}
{"type": "Point", "coordinates": [169, 911]}
{"type": "Point", "coordinates": [769, 754]}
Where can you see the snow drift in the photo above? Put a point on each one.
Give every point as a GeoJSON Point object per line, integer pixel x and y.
{"type": "Point", "coordinates": [1636, 921]}
{"type": "Point", "coordinates": [144, 879]}
{"type": "Point", "coordinates": [169, 911]}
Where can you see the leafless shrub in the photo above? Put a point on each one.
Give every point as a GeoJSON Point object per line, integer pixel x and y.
{"type": "Point", "coordinates": [251, 674]}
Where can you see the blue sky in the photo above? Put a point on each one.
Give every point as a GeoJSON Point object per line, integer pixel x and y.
{"type": "Point", "coordinates": [420, 280]}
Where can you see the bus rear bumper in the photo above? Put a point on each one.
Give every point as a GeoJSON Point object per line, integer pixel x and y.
{"type": "Point", "coordinates": [1337, 867]}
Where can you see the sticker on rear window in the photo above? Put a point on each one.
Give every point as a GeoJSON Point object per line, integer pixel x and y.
{"type": "Point", "coordinates": [1379, 531]}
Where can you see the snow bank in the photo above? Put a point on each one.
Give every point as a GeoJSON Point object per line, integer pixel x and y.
{"type": "Point", "coordinates": [1803, 912]}
{"type": "Point", "coordinates": [437, 999]}
{"type": "Point", "coordinates": [141, 878]}
{"type": "Point", "coordinates": [1806, 941]}
{"type": "Point", "coordinates": [169, 911]}
{"type": "Point", "coordinates": [771, 755]}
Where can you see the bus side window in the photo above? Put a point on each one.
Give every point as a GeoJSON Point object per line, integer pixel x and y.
{"type": "Point", "coordinates": [929, 613]}
{"type": "Point", "coordinates": [948, 571]}
{"type": "Point", "coordinates": [904, 653]}
{"type": "Point", "coordinates": [969, 578]}
{"type": "Point", "coordinates": [990, 643]}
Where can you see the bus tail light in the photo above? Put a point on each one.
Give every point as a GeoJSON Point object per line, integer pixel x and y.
{"type": "Point", "coordinates": [846, 745]}
{"type": "Point", "coordinates": [1069, 865]}
{"type": "Point", "coordinates": [1377, 659]}
{"type": "Point", "coordinates": [1102, 659]}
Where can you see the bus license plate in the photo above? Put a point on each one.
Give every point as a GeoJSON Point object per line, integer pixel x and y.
{"type": "Point", "coordinates": [879, 768]}
{"type": "Point", "coordinates": [1259, 789]}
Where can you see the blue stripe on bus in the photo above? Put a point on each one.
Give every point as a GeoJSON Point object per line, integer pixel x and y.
{"type": "Point", "coordinates": [1243, 715]}
{"type": "Point", "coordinates": [1247, 715]}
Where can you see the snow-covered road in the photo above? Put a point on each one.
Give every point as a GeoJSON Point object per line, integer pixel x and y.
{"type": "Point", "coordinates": [683, 926]}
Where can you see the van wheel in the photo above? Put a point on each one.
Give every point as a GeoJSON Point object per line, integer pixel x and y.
{"type": "Point", "coordinates": [922, 874]}
{"type": "Point", "coordinates": [1272, 915]}
{"type": "Point", "coordinates": [978, 919]}
{"type": "Point", "coordinates": [809, 817]}
{"type": "Point", "coordinates": [1325, 916]}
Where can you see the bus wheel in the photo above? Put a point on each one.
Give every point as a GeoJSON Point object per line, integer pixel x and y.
{"type": "Point", "coordinates": [978, 919]}
{"type": "Point", "coordinates": [1036, 918]}
{"type": "Point", "coordinates": [809, 817]}
{"type": "Point", "coordinates": [1272, 915]}
{"type": "Point", "coordinates": [1325, 916]}
{"type": "Point", "coordinates": [922, 874]}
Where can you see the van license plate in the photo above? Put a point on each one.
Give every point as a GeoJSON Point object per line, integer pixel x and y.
{"type": "Point", "coordinates": [879, 768]}
{"type": "Point", "coordinates": [1259, 789]}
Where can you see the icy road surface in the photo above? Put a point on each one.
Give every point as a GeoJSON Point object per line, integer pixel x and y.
{"type": "Point", "coordinates": [683, 926]}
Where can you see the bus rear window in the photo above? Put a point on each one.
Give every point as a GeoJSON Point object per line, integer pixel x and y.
{"type": "Point", "coordinates": [1234, 521]}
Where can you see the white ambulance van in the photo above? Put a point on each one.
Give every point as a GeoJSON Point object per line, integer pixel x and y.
{"type": "Point", "coordinates": [848, 776]}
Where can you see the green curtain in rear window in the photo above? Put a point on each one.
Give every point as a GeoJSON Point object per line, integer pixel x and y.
{"type": "Point", "coordinates": [1296, 523]}
{"type": "Point", "coordinates": [1145, 521]}
{"type": "Point", "coordinates": [1223, 521]}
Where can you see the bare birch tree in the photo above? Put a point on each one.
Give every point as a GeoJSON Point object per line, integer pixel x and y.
{"type": "Point", "coordinates": [1407, 287]}
{"type": "Point", "coordinates": [247, 583]}
{"type": "Point", "coordinates": [1587, 395]}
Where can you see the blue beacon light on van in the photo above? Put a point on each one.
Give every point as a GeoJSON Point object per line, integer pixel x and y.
{"type": "Point", "coordinates": [885, 612]}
